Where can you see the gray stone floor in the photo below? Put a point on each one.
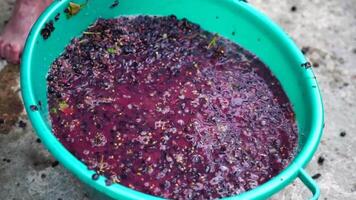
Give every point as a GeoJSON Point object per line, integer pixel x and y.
{"type": "Point", "coordinates": [328, 28]}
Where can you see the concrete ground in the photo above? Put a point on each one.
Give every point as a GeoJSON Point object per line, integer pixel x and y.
{"type": "Point", "coordinates": [326, 30]}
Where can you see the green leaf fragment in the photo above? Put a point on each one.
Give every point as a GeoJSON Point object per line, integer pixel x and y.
{"type": "Point", "coordinates": [112, 50]}
{"type": "Point", "coordinates": [74, 8]}
{"type": "Point", "coordinates": [213, 41]}
{"type": "Point", "coordinates": [82, 41]}
{"type": "Point", "coordinates": [54, 110]}
{"type": "Point", "coordinates": [63, 105]}
{"type": "Point", "coordinates": [91, 33]}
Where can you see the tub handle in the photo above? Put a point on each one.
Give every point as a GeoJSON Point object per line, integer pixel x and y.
{"type": "Point", "coordinates": [310, 183]}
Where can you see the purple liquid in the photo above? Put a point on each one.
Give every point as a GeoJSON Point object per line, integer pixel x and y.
{"type": "Point", "coordinates": [159, 105]}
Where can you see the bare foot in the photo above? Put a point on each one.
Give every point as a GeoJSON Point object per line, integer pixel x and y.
{"type": "Point", "coordinates": [13, 37]}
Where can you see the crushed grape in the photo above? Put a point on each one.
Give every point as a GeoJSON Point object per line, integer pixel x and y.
{"type": "Point", "coordinates": [161, 106]}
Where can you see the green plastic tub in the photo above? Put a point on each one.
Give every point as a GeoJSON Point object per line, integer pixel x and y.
{"type": "Point", "coordinates": [233, 19]}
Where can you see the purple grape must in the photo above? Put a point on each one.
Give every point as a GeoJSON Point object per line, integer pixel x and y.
{"type": "Point", "coordinates": [161, 106]}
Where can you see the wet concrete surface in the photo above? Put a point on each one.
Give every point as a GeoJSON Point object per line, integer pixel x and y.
{"type": "Point", "coordinates": [325, 29]}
